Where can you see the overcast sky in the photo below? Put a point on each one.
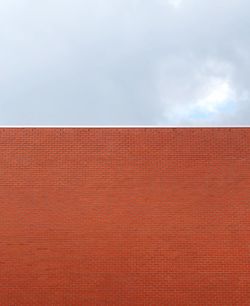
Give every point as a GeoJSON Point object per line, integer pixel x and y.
{"type": "Point", "coordinates": [125, 62]}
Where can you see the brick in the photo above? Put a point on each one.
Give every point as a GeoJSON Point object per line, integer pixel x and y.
{"type": "Point", "coordinates": [125, 216]}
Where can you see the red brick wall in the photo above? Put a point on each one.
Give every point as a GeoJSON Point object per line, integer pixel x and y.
{"type": "Point", "coordinates": [125, 217]}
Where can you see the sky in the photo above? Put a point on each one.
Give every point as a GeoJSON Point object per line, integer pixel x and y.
{"type": "Point", "coordinates": [125, 62]}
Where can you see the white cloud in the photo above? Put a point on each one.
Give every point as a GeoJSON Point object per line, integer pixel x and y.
{"type": "Point", "coordinates": [175, 3]}
{"type": "Point", "coordinates": [197, 94]}
{"type": "Point", "coordinates": [124, 62]}
{"type": "Point", "coordinates": [216, 95]}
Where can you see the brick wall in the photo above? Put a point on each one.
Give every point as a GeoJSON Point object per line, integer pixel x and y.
{"type": "Point", "coordinates": [125, 217]}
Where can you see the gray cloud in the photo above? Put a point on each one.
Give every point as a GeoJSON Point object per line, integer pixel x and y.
{"type": "Point", "coordinates": [133, 62]}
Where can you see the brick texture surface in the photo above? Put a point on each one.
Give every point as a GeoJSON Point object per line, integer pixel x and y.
{"type": "Point", "coordinates": [129, 217]}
